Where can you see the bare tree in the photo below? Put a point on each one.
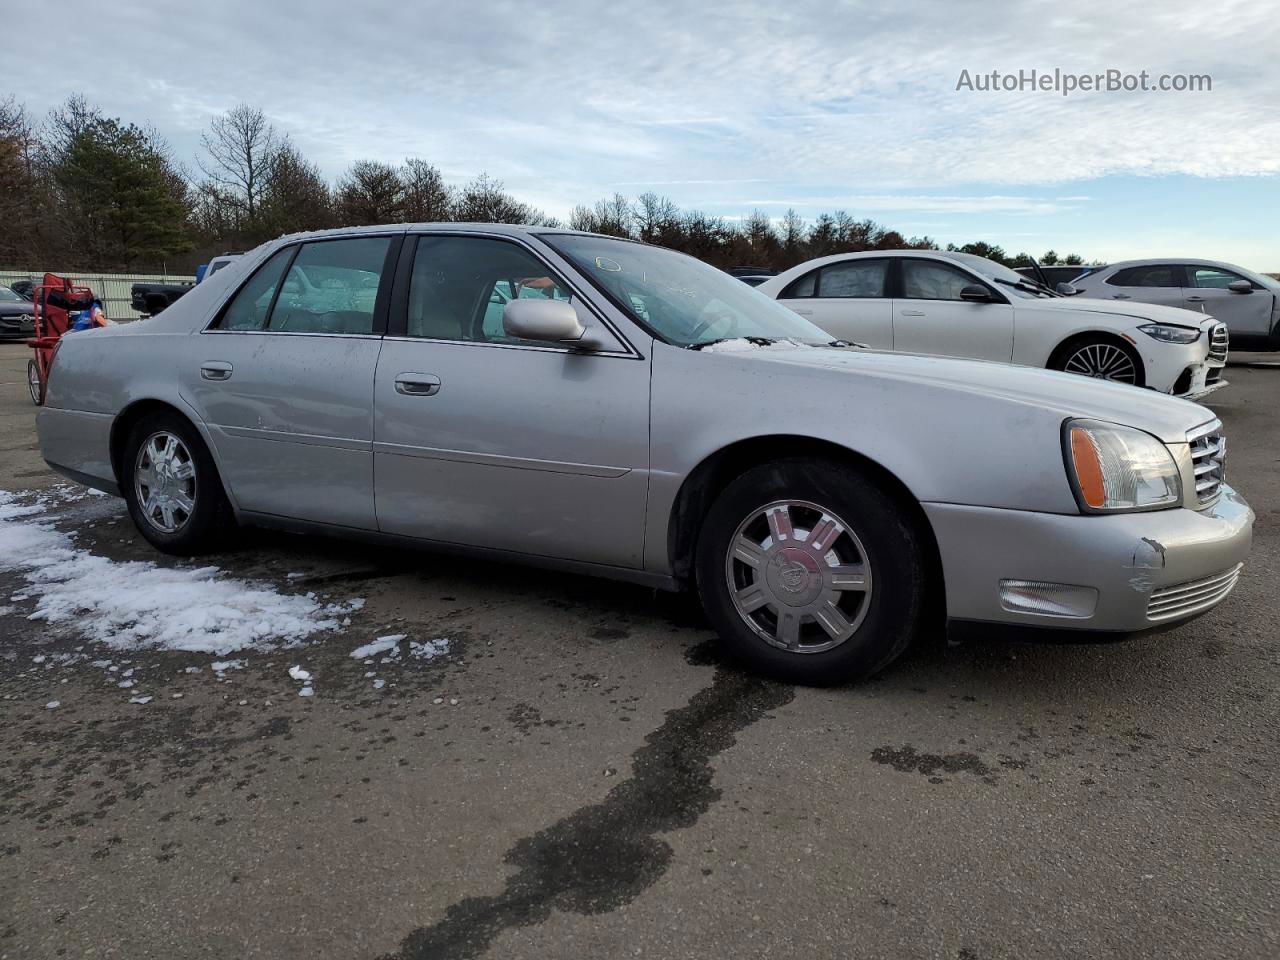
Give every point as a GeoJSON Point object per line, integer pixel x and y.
{"type": "Point", "coordinates": [484, 200]}
{"type": "Point", "coordinates": [427, 199]}
{"type": "Point", "coordinates": [370, 192]}
{"type": "Point", "coordinates": [296, 197]}
{"type": "Point", "coordinates": [241, 147]}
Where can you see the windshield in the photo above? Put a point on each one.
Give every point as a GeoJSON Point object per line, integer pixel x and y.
{"type": "Point", "coordinates": [1013, 282]}
{"type": "Point", "coordinates": [680, 299]}
{"type": "Point", "coordinates": [9, 296]}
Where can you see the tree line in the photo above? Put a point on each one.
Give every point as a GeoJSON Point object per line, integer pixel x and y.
{"type": "Point", "coordinates": [80, 190]}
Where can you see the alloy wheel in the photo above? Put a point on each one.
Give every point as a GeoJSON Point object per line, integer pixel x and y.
{"type": "Point", "coordinates": [1103, 361]}
{"type": "Point", "coordinates": [164, 481]}
{"type": "Point", "coordinates": [798, 576]}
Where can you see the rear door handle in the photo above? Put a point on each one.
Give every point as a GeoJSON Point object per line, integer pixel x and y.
{"type": "Point", "coordinates": [417, 384]}
{"type": "Point", "coordinates": [1195, 299]}
{"type": "Point", "coordinates": [1120, 296]}
{"type": "Point", "coordinates": [911, 313]}
{"type": "Point", "coordinates": [803, 313]}
{"type": "Point", "coordinates": [216, 370]}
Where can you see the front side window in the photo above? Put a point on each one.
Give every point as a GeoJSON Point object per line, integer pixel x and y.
{"type": "Point", "coordinates": [8, 296]}
{"type": "Point", "coordinates": [460, 287]}
{"type": "Point", "coordinates": [854, 278]}
{"type": "Point", "coordinates": [1213, 278]}
{"type": "Point", "coordinates": [1153, 275]}
{"type": "Point", "coordinates": [249, 307]}
{"type": "Point", "coordinates": [931, 280]}
{"type": "Point", "coordinates": [332, 287]}
{"type": "Point", "coordinates": [679, 299]}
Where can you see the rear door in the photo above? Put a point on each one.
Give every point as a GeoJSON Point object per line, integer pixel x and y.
{"type": "Point", "coordinates": [1160, 283]}
{"type": "Point", "coordinates": [489, 441]}
{"type": "Point", "coordinates": [1245, 314]}
{"type": "Point", "coordinates": [930, 316]}
{"type": "Point", "coordinates": [848, 300]}
{"type": "Point", "coordinates": [284, 380]}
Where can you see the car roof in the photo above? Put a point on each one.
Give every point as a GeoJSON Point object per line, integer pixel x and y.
{"type": "Point", "coordinates": [1161, 261]}
{"type": "Point", "coordinates": [509, 229]}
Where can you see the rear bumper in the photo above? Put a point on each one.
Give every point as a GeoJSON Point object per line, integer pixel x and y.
{"type": "Point", "coordinates": [77, 444]}
{"type": "Point", "coordinates": [1147, 569]}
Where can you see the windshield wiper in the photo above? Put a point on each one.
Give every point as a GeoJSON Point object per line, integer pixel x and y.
{"type": "Point", "coordinates": [1029, 285]}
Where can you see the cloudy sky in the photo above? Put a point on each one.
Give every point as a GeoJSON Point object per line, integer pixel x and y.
{"type": "Point", "coordinates": [735, 106]}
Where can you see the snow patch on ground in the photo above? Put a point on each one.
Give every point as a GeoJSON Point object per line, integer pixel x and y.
{"type": "Point", "coordinates": [137, 604]}
{"type": "Point", "coordinates": [381, 645]}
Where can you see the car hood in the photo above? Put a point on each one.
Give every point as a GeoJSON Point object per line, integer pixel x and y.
{"type": "Point", "coordinates": [1127, 308]}
{"type": "Point", "coordinates": [16, 309]}
{"type": "Point", "coordinates": [1069, 395]}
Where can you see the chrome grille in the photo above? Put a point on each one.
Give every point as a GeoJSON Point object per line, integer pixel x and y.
{"type": "Point", "coordinates": [1184, 599]}
{"type": "Point", "coordinates": [1208, 459]}
{"type": "Point", "coordinates": [1218, 340]}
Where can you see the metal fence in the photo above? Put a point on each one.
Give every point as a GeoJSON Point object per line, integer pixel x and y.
{"type": "Point", "coordinates": [113, 289]}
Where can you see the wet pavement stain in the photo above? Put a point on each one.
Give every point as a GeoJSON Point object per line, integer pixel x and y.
{"type": "Point", "coordinates": [605, 855]}
{"type": "Point", "coordinates": [907, 760]}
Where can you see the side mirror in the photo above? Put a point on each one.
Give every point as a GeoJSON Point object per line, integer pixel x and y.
{"type": "Point", "coordinates": [542, 318]}
{"type": "Point", "coordinates": [1066, 289]}
{"type": "Point", "coordinates": [975, 293]}
{"type": "Point", "coordinates": [1240, 286]}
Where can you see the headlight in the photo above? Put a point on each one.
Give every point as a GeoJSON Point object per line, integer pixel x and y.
{"type": "Point", "coordinates": [1115, 469]}
{"type": "Point", "coordinates": [1170, 332]}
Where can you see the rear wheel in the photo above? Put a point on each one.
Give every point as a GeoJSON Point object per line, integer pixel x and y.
{"type": "Point", "coordinates": [811, 572]}
{"type": "Point", "coordinates": [1101, 359]}
{"type": "Point", "coordinates": [34, 384]}
{"type": "Point", "coordinates": [172, 487]}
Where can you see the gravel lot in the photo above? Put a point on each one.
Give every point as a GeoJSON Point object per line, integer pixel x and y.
{"type": "Point", "coordinates": [580, 777]}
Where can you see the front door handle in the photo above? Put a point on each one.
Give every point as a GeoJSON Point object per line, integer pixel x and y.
{"type": "Point", "coordinates": [216, 370]}
{"type": "Point", "coordinates": [911, 313]}
{"type": "Point", "coordinates": [1195, 299]}
{"type": "Point", "coordinates": [1120, 296]}
{"type": "Point", "coordinates": [802, 313]}
{"type": "Point", "coordinates": [417, 384]}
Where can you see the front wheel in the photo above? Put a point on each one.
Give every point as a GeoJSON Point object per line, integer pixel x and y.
{"type": "Point", "coordinates": [1101, 359]}
{"type": "Point", "coordinates": [34, 384]}
{"type": "Point", "coordinates": [811, 572]}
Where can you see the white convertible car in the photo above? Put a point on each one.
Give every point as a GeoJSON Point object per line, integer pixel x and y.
{"type": "Point", "coordinates": [961, 305]}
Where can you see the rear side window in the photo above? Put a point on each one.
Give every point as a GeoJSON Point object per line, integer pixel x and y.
{"type": "Point", "coordinates": [332, 287]}
{"type": "Point", "coordinates": [853, 278]}
{"type": "Point", "coordinates": [1213, 278]}
{"type": "Point", "coordinates": [1152, 275]}
{"type": "Point", "coordinates": [930, 280]}
{"type": "Point", "coordinates": [806, 286]}
{"type": "Point", "coordinates": [248, 308]}
{"type": "Point", "coordinates": [460, 287]}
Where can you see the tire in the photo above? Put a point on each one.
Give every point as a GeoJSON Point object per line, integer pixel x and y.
{"type": "Point", "coordinates": [1101, 358]}
{"type": "Point", "coordinates": [35, 386]}
{"type": "Point", "coordinates": [773, 605]}
{"type": "Point", "coordinates": [176, 498]}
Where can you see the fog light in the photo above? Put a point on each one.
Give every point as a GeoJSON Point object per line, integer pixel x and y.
{"type": "Point", "coordinates": [1048, 599]}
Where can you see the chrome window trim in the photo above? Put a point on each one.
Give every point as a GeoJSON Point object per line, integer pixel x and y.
{"type": "Point", "coordinates": [615, 354]}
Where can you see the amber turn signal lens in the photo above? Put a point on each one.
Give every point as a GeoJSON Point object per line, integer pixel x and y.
{"type": "Point", "coordinates": [1084, 456]}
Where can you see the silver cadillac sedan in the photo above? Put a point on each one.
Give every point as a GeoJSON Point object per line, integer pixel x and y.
{"type": "Point", "coordinates": [612, 408]}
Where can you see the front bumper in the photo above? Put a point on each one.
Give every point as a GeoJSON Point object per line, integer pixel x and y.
{"type": "Point", "coordinates": [1149, 569]}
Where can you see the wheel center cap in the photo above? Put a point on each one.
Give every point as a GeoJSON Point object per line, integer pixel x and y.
{"type": "Point", "coordinates": [794, 577]}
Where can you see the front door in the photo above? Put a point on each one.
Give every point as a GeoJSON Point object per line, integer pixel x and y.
{"type": "Point", "coordinates": [1245, 314]}
{"type": "Point", "coordinates": [284, 381]}
{"type": "Point", "coordinates": [485, 440]}
{"type": "Point", "coordinates": [931, 317]}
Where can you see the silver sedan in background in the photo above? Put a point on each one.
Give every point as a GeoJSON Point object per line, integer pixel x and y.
{"type": "Point", "coordinates": [612, 408]}
{"type": "Point", "coordinates": [1247, 302]}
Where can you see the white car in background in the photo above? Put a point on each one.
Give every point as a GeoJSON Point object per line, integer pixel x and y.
{"type": "Point", "coordinates": [1247, 302]}
{"type": "Point", "coordinates": [961, 305]}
